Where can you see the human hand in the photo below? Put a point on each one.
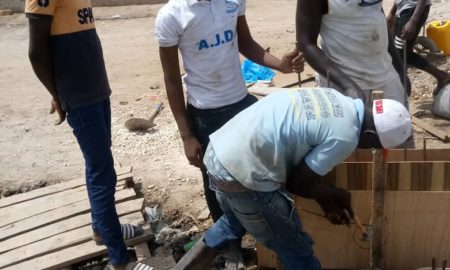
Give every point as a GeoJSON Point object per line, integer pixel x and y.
{"type": "Point", "coordinates": [409, 31]}
{"type": "Point", "coordinates": [292, 61]}
{"type": "Point", "coordinates": [56, 107]}
{"type": "Point", "coordinates": [336, 204]}
{"type": "Point", "coordinates": [193, 151]}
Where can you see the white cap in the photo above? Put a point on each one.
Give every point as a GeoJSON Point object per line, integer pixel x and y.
{"type": "Point", "coordinates": [392, 122]}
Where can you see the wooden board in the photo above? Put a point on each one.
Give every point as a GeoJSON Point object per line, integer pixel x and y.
{"type": "Point", "coordinates": [416, 229]}
{"type": "Point", "coordinates": [419, 176]}
{"type": "Point", "coordinates": [39, 205]}
{"type": "Point", "coordinates": [122, 173]}
{"type": "Point", "coordinates": [291, 79]}
{"type": "Point", "coordinates": [56, 215]}
{"type": "Point", "coordinates": [442, 135]}
{"type": "Point", "coordinates": [57, 242]}
{"type": "Point", "coordinates": [267, 90]}
{"type": "Point", "coordinates": [365, 155]}
{"type": "Point", "coordinates": [78, 221]}
{"type": "Point", "coordinates": [71, 255]}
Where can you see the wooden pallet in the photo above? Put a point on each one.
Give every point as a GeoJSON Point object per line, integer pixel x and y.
{"type": "Point", "coordinates": [50, 228]}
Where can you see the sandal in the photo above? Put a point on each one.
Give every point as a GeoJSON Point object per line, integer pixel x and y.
{"type": "Point", "coordinates": [139, 266]}
{"type": "Point", "coordinates": [131, 266]}
{"type": "Point", "coordinates": [128, 231]}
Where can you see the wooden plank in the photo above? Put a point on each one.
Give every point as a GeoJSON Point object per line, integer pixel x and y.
{"type": "Point", "coordinates": [334, 245]}
{"type": "Point", "coordinates": [416, 229]}
{"type": "Point", "coordinates": [447, 177]}
{"type": "Point", "coordinates": [358, 176]}
{"type": "Point", "coordinates": [267, 90]}
{"type": "Point", "coordinates": [442, 135]}
{"type": "Point", "coordinates": [43, 204]}
{"type": "Point", "coordinates": [142, 252]}
{"type": "Point", "coordinates": [58, 242]}
{"type": "Point", "coordinates": [32, 208]}
{"type": "Point", "coordinates": [365, 155]}
{"type": "Point", "coordinates": [286, 80]}
{"type": "Point", "coordinates": [404, 176]}
{"type": "Point", "coordinates": [53, 189]}
{"type": "Point", "coordinates": [437, 178]}
{"type": "Point", "coordinates": [342, 176]}
{"type": "Point", "coordinates": [78, 221]}
{"type": "Point", "coordinates": [421, 175]}
{"type": "Point", "coordinates": [393, 176]}
{"type": "Point", "coordinates": [56, 215]}
{"type": "Point", "coordinates": [73, 255]}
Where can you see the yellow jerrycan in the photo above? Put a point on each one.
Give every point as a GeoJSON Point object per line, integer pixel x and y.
{"type": "Point", "coordinates": [439, 32]}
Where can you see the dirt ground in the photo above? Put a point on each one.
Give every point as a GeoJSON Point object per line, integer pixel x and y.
{"type": "Point", "coordinates": [33, 150]}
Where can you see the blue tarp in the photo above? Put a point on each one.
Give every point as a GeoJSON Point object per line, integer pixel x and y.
{"type": "Point", "coordinates": [253, 72]}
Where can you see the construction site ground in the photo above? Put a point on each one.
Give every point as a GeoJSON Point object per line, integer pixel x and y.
{"type": "Point", "coordinates": [34, 152]}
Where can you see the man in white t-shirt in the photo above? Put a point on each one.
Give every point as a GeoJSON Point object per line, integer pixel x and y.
{"type": "Point", "coordinates": [292, 138]}
{"type": "Point", "coordinates": [210, 35]}
{"type": "Point", "coordinates": [355, 47]}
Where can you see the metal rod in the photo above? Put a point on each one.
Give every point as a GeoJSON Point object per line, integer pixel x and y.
{"type": "Point", "coordinates": [328, 79]}
{"type": "Point", "coordinates": [299, 80]}
{"type": "Point", "coordinates": [444, 265]}
{"type": "Point", "coordinates": [405, 66]}
{"type": "Point", "coordinates": [425, 149]}
{"type": "Point", "coordinates": [433, 264]}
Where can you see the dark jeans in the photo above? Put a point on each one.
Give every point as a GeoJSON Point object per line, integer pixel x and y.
{"type": "Point", "coordinates": [204, 123]}
{"type": "Point", "coordinates": [92, 127]}
{"type": "Point", "coordinates": [413, 58]}
{"type": "Point", "coordinates": [271, 218]}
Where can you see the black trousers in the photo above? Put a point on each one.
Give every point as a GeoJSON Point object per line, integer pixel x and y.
{"type": "Point", "coordinates": [205, 122]}
{"type": "Point", "coordinates": [413, 58]}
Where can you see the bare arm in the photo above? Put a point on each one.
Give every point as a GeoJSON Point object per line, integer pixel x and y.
{"type": "Point", "coordinates": [253, 51]}
{"type": "Point", "coordinates": [334, 201]}
{"type": "Point", "coordinates": [418, 11]}
{"type": "Point", "coordinates": [409, 31]}
{"type": "Point", "coordinates": [308, 22]}
{"type": "Point", "coordinates": [39, 51]}
{"type": "Point", "coordinates": [175, 95]}
{"type": "Point", "coordinates": [40, 58]}
{"type": "Point", "coordinates": [391, 16]}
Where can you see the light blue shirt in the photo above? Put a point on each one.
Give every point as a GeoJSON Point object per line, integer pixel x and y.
{"type": "Point", "coordinates": [261, 146]}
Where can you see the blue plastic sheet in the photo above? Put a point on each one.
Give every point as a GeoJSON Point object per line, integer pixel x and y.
{"type": "Point", "coordinates": [253, 72]}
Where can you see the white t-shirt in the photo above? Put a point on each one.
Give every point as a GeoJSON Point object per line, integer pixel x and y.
{"type": "Point", "coordinates": [354, 37]}
{"type": "Point", "coordinates": [261, 145]}
{"type": "Point", "coordinates": [205, 33]}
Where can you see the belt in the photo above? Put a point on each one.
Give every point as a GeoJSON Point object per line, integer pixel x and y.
{"type": "Point", "coordinates": [227, 186]}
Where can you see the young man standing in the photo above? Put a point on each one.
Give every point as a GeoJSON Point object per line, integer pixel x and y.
{"type": "Point", "coordinates": [355, 49]}
{"type": "Point", "coordinates": [292, 138]}
{"type": "Point", "coordinates": [67, 57]}
{"type": "Point", "coordinates": [407, 17]}
{"type": "Point", "coordinates": [210, 35]}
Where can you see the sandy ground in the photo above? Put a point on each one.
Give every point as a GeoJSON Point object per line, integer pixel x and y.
{"type": "Point", "coordinates": [33, 150]}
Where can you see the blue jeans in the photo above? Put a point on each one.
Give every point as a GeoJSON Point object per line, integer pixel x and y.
{"type": "Point", "coordinates": [92, 127]}
{"type": "Point", "coordinates": [270, 217]}
{"type": "Point", "coordinates": [204, 123]}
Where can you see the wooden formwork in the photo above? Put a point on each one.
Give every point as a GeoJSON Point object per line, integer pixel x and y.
{"type": "Point", "coordinates": [50, 228]}
{"type": "Point", "coordinates": [417, 212]}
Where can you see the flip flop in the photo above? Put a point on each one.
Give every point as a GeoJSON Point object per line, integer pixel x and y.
{"type": "Point", "coordinates": [128, 231]}
{"type": "Point", "coordinates": [139, 266]}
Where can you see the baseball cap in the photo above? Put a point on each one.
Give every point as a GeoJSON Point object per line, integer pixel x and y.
{"type": "Point", "coordinates": [392, 122]}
